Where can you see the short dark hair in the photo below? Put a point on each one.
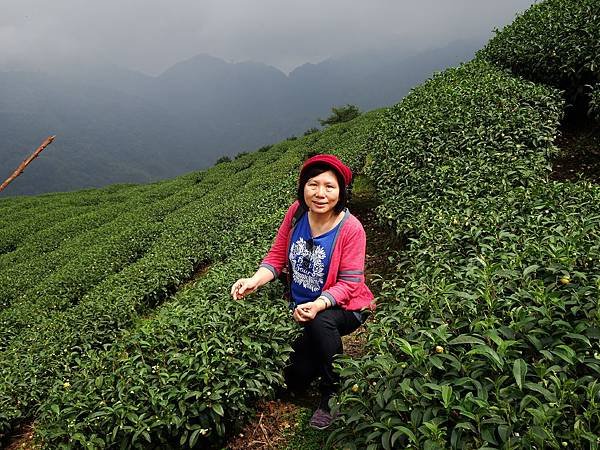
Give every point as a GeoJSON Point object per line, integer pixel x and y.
{"type": "Point", "coordinates": [315, 170]}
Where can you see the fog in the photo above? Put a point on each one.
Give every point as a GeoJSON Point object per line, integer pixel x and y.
{"type": "Point", "coordinates": [151, 35]}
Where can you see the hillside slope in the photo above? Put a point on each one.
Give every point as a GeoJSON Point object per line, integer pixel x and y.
{"type": "Point", "coordinates": [84, 348]}
{"type": "Point", "coordinates": [487, 333]}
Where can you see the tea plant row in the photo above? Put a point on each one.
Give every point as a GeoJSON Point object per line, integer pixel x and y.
{"type": "Point", "coordinates": [235, 221]}
{"type": "Point", "coordinates": [554, 42]}
{"type": "Point", "coordinates": [487, 335]}
{"type": "Point", "coordinates": [183, 377]}
{"type": "Point", "coordinates": [53, 234]}
{"type": "Point", "coordinates": [101, 314]}
{"type": "Point", "coordinates": [25, 221]}
{"type": "Point", "coordinates": [83, 261]}
{"type": "Point", "coordinates": [63, 276]}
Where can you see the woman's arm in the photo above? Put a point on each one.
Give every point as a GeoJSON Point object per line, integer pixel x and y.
{"type": "Point", "coordinates": [272, 264]}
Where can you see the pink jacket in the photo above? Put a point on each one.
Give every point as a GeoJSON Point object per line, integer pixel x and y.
{"type": "Point", "coordinates": [345, 283]}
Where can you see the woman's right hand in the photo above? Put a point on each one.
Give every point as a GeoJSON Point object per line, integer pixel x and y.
{"type": "Point", "coordinates": [243, 287]}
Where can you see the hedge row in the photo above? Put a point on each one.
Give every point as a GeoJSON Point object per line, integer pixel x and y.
{"type": "Point", "coordinates": [54, 342]}
{"type": "Point", "coordinates": [240, 212]}
{"type": "Point", "coordinates": [69, 272]}
{"type": "Point", "coordinates": [33, 214]}
{"type": "Point", "coordinates": [487, 334]}
{"type": "Point", "coordinates": [553, 42]}
{"type": "Point", "coordinates": [469, 132]}
{"type": "Point", "coordinates": [83, 261]}
{"type": "Point", "coordinates": [182, 378]}
{"type": "Point", "coordinates": [53, 235]}
{"type": "Point", "coordinates": [13, 234]}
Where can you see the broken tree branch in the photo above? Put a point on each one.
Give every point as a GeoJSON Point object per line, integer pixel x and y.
{"type": "Point", "coordinates": [25, 163]}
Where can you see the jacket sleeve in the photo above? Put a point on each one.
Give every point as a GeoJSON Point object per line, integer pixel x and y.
{"type": "Point", "coordinates": [275, 260]}
{"type": "Point", "coordinates": [351, 274]}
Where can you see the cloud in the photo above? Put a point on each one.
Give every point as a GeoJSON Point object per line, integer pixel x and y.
{"type": "Point", "coordinates": [151, 35]}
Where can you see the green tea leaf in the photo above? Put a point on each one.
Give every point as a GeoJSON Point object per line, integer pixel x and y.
{"type": "Point", "coordinates": [519, 372]}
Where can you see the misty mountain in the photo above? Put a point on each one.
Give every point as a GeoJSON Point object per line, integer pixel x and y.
{"type": "Point", "coordinates": [117, 125]}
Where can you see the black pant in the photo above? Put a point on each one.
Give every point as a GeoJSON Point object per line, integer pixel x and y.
{"type": "Point", "coordinates": [314, 351]}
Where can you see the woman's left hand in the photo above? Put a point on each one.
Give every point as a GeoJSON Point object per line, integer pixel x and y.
{"type": "Point", "coordinates": [307, 311]}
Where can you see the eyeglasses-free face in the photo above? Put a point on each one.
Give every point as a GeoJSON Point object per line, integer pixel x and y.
{"type": "Point", "coordinates": [322, 192]}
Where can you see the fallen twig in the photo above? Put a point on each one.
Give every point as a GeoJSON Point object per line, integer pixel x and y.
{"type": "Point", "coordinates": [25, 163]}
{"type": "Point", "coordinates": [262, 427]}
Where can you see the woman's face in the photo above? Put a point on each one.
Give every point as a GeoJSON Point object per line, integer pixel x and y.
{"type": "Point", "coordinates": [322, 192]}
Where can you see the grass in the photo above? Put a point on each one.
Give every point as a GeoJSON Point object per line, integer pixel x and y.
{"type": "Point", "coordinates": [302, 436]}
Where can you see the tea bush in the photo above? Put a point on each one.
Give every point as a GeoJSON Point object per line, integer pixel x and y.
{"type": "Point", "coordinates": [56, 244]}
{"type": "Point", "coordinates": [55, 341]}
{"type": "Point", "coordinates": [13, 234]}
{"type": "Point", "coordinates": [34, 214]}
{"type": "Point", "coordinates": [78, 271]}
{"type": "Point", "coordinates": [234, 217]}
{"type": "Point", "coordinates": [184, 377]}
{"type": "Point", "coordinates": [488, 334]}
{"type": "Point", "coordinates": [69, 272]}
{"type": "Point", "coordinates": [553, 42]}
{"type": "Point", "coordinates": [53, 235]}
{"type": "Point", "coordinates": [468, 132]}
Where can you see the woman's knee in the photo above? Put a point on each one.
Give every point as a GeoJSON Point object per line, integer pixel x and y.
{"type": "Point", "coordinates": [325, 337]}
{"type": "Point", "coordinates": [322, 324]}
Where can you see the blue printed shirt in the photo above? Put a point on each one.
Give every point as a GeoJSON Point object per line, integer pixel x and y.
{"type": "Point", "coordinates": [309, 261]}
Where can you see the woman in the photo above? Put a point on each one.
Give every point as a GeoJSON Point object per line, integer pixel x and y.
{"type": "Point", "coordinates": [323, 247]}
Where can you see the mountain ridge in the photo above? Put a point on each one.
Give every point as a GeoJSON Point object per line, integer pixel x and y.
{"type": "Point", "coordinates": [115, 125]}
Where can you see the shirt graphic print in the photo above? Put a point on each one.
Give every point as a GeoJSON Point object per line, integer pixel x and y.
{"type": "Point", "coordinates": [307, 266]}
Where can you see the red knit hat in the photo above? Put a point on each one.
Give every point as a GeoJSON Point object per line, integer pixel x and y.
{"type": "Point", "coordinates": [332, 161]}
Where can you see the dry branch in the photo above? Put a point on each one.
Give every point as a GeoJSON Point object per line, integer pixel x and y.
{"type": "Point", "coordinates": [25, 163]}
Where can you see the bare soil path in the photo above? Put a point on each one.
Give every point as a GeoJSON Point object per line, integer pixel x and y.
{"type": "Point", "coordinates": [22, 439]}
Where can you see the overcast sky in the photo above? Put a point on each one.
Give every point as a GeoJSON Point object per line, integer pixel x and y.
{"type": "Point", "coordinates": [152, 35]}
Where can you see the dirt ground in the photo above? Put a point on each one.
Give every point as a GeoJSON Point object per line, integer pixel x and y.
{"type": "Point", "coordinates": [22, 439]}
{"type": "Point", "coordinates": [580, 156]}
